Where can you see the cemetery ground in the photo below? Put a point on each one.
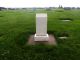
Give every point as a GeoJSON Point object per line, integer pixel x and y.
{"type": "Point", "coordinates": [17, 26]}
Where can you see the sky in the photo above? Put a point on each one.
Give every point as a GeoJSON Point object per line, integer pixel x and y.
{"type": "Point", "coordinates": [39, 3]}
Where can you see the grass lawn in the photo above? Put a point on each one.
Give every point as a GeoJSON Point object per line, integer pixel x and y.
{"type": "Point", "coordinates": [17, 26]}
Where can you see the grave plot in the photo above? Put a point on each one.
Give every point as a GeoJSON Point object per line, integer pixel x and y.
{"type": "Point", "coordinates": [66, 19]}
{"type": "Point", "coordinates": [41, 35]}
{"type": "Point", "coordinates": [63, 35]}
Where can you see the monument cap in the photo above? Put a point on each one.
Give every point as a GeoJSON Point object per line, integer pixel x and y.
{"type": "Point", "coordinates": [41, 15]}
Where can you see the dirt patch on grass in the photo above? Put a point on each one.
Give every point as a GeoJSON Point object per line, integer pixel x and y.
{"type": "Point", "coordinates": [51, 41]}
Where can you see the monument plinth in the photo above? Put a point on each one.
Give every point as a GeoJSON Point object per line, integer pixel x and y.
{"type": "Point", "coordinates": [41, 27]}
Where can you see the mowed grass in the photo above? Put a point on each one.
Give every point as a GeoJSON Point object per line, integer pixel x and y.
{"type": "Point", "coordinates": [17, 26]}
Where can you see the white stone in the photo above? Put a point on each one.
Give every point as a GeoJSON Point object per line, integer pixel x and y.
{"type": "Point", "coordinates": [41, 27]}
{"type": "Point", "coordinates": [63, 37]}
{"type": "Point", "coordinates": [41, 24]}
{"type": "Point", "coordinates": [41, 38]}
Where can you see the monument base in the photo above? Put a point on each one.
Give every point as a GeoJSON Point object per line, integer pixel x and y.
{"type": "Point", "coordinates": [41, 38]}
{"type": "Point", "coordinates": [32, 40]}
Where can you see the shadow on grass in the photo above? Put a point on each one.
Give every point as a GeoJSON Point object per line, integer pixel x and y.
{"type": "Point", "coordinates": [22, 38]}
{"type": "Point", "coordinates": [66, 19]}
{"type": "Point", "coordinates": [58, 34]}
{"type": "Point", "coordinates": [1, 16]}
{"type": "Point", "coordinates": [1, 34]}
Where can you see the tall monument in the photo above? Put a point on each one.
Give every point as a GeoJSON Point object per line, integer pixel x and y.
{"type": "Point", "coordinates": [41, 27]}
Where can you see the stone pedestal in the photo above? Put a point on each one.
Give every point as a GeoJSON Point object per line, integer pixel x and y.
{"type": "Point", "coordinates": [41, 27]}
{"type": "Point", "coordinates": [33, 40]}
{"type": "Point", "coordinates": [41, 38]}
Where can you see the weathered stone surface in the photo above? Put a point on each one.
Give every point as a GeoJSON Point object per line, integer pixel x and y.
{"type": "Point", "coordinates": [41, 24]}
{"type": "Point", "coordinates": [41, 27]}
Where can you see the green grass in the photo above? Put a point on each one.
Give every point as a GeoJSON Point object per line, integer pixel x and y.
{"type": "Point", "coordinates": [17, 26]}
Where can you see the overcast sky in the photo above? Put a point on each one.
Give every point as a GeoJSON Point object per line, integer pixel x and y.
{"type": "Point", "coordinates": [39, 3]}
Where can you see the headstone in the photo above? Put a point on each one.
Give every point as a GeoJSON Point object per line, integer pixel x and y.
{"type": "Point", "coordinates": [41, 27]}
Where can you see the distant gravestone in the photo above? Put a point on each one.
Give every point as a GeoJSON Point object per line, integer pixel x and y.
{"type": "Point", "coordinates": [41, 27]}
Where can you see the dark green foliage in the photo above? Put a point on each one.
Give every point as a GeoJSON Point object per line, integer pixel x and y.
{"type": "Point", "coordinates": [0, 9]}
{"type": "Point", "coordinates": [48, 9]}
